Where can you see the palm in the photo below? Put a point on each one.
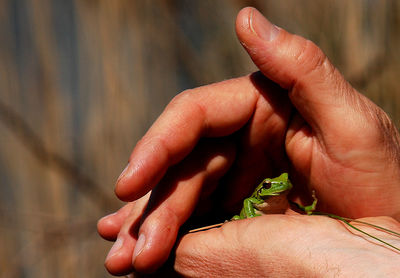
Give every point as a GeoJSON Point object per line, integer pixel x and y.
{"type": "Point", "coordinates": [352, 177]}
{"type": "Point", "coordinates": [277, 138]}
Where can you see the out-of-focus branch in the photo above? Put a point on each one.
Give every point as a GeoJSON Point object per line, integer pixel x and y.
{"type": "Point", "coordinates": [48, 225]}
{"type": "Point", "coordinates": [18, 126]}
{"type": "Point", "coordinates": [48, 233]}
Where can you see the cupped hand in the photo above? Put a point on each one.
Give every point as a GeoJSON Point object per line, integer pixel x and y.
{"type": "Point", "coordinates": [299, 115]}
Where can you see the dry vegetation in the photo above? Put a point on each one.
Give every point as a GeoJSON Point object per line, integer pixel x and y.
{"type": "Point", "coordinates": [81, 81]}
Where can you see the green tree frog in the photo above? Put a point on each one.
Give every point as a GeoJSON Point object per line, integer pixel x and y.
{"type": "Point", "coordinates": [270, 196]}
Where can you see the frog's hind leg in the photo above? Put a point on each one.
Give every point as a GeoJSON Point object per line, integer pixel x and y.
{"type": "Point", "coordinates": [310, 209]}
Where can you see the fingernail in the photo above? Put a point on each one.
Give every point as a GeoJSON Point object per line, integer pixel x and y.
{"type": "Point", "coordinates": [123, 173]}
{"type": "Point", "coordinates": [114, 249]}
{"type": "Point", "coordinates": [262, 27]}
{"type": "Point", "coordinates": [139, 246]}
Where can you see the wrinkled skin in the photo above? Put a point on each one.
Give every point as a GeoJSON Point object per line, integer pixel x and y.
{"type": "Point", "coordinates": [297, 114]}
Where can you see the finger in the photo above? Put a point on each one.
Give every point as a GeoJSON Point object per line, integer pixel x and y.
{"type": "Point", "coordinates": [316, 88]}
{"type": "Point", "coordinates": [174, 199]}
{"type": "Point", "coordinates": [214, 110]}
{"type": "Point", "coordinates": [109, 226]}
{"type": "Point", "coordinates": [262, 149]}
{"type": "Point", "coordinates": [119, 258]}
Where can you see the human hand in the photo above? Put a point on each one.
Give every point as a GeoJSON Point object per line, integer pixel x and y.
{"type": "Point", "coordinates": [329, 137]}
{"type": "Point", "coordinates": [289, 246]}
{"type": "Point", "coordinates": [280, 246]}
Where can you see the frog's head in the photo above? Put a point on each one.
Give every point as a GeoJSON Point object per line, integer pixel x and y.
{"type": "Point", "coordinates": [275, 186]}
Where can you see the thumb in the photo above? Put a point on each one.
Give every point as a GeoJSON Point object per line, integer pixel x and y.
{"type": "Point", "coordinates": [316, 88]}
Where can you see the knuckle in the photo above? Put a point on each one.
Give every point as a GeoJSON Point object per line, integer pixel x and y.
{"type": "Point", "coordinates": [182, 98]}
{"type": "Point", "coordinates": [171, 214]}
{"type": "Point", "coordinates": [313, 63]}
{"type": "Point", "coordinates": [312, 58]}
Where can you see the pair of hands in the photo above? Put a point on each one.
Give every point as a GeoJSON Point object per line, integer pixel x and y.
{"type": "Point", "coordinates": [297, 114]}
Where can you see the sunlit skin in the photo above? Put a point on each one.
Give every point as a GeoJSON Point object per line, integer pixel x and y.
{"type": "Point", "coordinates": [297, 115]}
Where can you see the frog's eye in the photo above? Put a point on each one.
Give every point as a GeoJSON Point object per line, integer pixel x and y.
{"type": "Point", "coordinates": [267, 184]}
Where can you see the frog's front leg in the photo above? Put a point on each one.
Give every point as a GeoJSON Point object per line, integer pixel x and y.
{"type": "Point", "coordinates": [248, 210]}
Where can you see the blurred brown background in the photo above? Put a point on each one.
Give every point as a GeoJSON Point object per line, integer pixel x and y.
{"type": "Point", "coordinates": [81, 81]}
